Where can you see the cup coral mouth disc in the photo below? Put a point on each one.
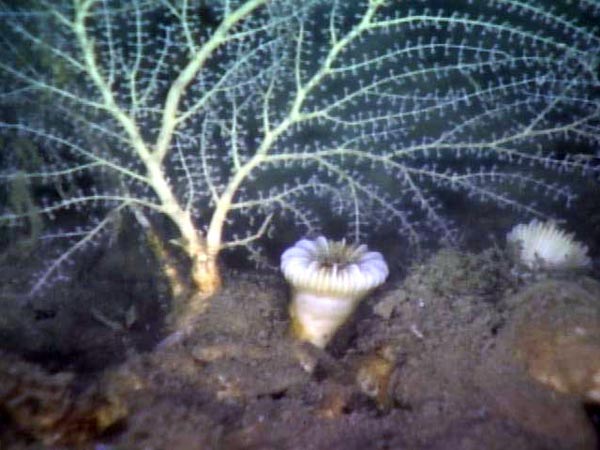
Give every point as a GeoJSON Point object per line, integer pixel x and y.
{"type": "Point", "coordinates": [328, 279]}
{"type": "Point", "coordinates": [539, 245]}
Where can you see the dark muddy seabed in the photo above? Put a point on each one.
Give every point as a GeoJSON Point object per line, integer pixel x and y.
{"type": "Point", "coordinates": [461, 353]}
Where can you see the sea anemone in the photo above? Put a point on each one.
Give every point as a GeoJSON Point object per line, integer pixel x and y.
{"type": "Point", "coordinates": [543, 246]}
{"type": "Point", "coordinates": [328, 280]}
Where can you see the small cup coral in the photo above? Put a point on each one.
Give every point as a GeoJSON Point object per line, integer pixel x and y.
{"type": "Point", "coordinates": [544, 246]}
{"type": "Point", "coordinates": [329, 279]}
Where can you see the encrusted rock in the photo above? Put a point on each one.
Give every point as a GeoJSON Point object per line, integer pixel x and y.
{"type": "Point", "coordinates": [49, 408]}
{"type": "Point", "coordinates": [374, 374]}
{"type": "Point", "coordinates": [557, 335]}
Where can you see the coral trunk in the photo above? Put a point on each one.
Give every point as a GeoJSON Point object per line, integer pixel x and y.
{"type": "Point", "coordinates": [206, 275]}
{"type": "Point", "coordinates": [206, 280]}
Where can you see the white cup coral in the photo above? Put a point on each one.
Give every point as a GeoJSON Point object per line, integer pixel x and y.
{"type": "Point", "coordinates": [543, 246]}
{"type": "Point", "coordinates": [328, 280]}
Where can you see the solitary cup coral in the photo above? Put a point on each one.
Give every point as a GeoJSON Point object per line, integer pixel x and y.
{"type": "Point", "coordinates": [544, 246]}
{"type": "Point", "coordinates": [328, 280]}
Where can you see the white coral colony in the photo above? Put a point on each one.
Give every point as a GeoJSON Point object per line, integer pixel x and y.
{"type": "Point", "coordinates": [540, 245]}
{"type": "Point", "coordinates": [328, 279]}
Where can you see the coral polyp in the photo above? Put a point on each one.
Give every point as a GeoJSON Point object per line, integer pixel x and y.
{"type": "Point", "coordinates": [329, 279]}
{"type": "Point", "coordinates": [544, 246]}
